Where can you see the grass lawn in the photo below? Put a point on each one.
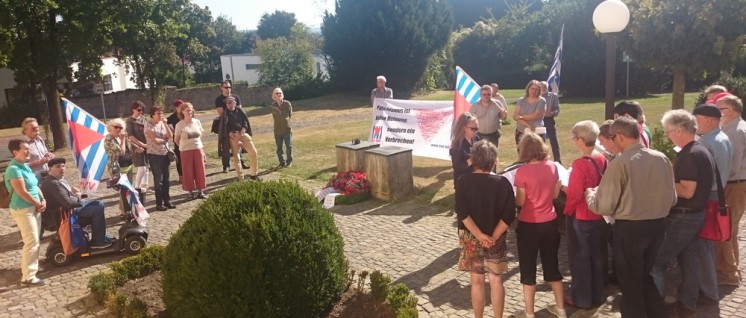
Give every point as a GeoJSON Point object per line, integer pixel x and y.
{"type": "Point", "coordinates": [336, 118]}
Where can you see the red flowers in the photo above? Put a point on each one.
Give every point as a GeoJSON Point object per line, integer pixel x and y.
{"type": "Point", "coordinates": [350, 182]}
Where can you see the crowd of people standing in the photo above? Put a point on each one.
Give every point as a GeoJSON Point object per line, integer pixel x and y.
{"type": "Point", "coordinates": [624, 201]}
{"type": "Point", "coordinates": [139, 147]}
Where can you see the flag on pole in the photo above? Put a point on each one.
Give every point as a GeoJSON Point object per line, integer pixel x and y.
{"type": "Point", "coordinates": [86, 135]}
{"type": "Point", "coordinates": [554, 73]}
{"type": "Point", "coordinates": [467, 93]}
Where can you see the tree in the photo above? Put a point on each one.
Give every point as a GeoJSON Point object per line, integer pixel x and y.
{"type": "Point", "coordinates": [276, 25]}
{"type": "Point", "coordinates": [47, 36]}
{"type": "Point", "coordinates": [287, 61]}
{"type": "Point", "coordinates": [366, 38]}
{"type": "Point", "coordinates": [689, 36]}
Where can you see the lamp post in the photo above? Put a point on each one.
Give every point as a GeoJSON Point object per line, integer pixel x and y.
{"type": "Point", "coordinates": [610, 17]}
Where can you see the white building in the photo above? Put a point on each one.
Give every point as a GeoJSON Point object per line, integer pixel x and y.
{"type": "Point", "coordinates": [245, 67]}
{"type": "Point", "coordinates": [115, 77]}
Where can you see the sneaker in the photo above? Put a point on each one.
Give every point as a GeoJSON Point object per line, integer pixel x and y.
{"type": "Point", "coordinates": [160, 208]}
{"type": "Point", "coordinates": [244, 166]}
{"type": "Point", "coordinates": [192, 195]}
{"type": "Point", "coordinates": [225, 169]}
{"type": "Point", "coordinates": [281, 165]}
{"type": "Point", "coordinates": [561, 313]}
{"type": "Point", "coordinates": [201, 195]}
{"type": "Point", "coordinates": [169, 205]}
{"type": "Point", "coordinates": [254, 178]}
{"type": "Point", "coordinates": [289, 165]}
{"type": "Point", "coordinates": [104, 245]}
{"type": "Point", "coordinates": [33, 282]}
{"type": "Point", "coordinates": [521, 314]}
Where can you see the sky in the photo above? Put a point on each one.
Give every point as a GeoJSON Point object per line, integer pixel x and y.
{"type": "Point", "coordinates": [246, 14]}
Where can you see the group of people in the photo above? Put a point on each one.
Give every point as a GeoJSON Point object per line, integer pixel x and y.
{"type": "Point", "coordinates": [136, 146]}
{"type": "Point", "coordinates": [623, 200]}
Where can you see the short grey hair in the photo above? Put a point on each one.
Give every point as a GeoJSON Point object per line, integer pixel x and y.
{"type": "Point", "coordinates": [381, 78]}
{"type": "Point", "coordinates": [483, 155]}
{"type": "Point", "coordinates": [734, 102]}
{"type": "Point", "coordinates": [626, 127]}
{"type": "Point", "coordinates": [587, 130]}
{"type": "Point", "coordinates": [486, 88]}
{"type": "Point", "coordinates": [715, 89]}
{"type": "Point", "coordinates": [116, 122]}
{"type": "Point", "coordinates": [680, 119]}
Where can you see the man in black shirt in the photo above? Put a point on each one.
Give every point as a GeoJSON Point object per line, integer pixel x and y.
{"type": "Point", "coordinates": [693, 177]}
{"type": "Point", "coordinates": [235, 133]}
{"type": "Point", "coordinates": [220, 106]}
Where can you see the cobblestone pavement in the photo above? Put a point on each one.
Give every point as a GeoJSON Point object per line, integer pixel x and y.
{"type": "Point", "coordinates": [415, 244]}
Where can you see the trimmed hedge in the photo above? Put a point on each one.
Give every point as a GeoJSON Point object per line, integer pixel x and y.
{"type": "Point", "coordinates": [255, 249]}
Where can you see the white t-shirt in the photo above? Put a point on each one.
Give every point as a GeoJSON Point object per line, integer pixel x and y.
{"type": "Point", "coordinates": [189, 135]}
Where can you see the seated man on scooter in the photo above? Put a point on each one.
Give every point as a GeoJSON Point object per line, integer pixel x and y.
{"type": "Point", "coordinates": [60, 194]}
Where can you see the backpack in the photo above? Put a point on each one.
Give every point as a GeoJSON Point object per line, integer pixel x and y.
{"type": "Point", "coordinates": [4, 195]}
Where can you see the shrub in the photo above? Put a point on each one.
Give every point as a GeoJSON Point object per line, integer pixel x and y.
{"type": "Point", "coordinates": [661, 143]}
{"type": "Point", "coordinates": [379, 285]}
{"type": "Point", "coordinates": [146, 262]}
{"type": "Point", "coordinates": [101, 286]}
{"type": "Point", "coordinates": [400, 298]}
{"type": "Point", "coordinates": [407, 313]}
{"type": "Point", "coordinates": [255, 249]}
{"type": "Point", "coordinates": [116, 303]}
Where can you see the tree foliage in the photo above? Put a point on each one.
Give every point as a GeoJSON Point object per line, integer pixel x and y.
{"type": "Point", "coordinates": [689, 36]}
{"type": "Point", "coordinates": [366, 38]}
{"type": "Point", "coordinates": [287, 62]}
{"type": "Point", "coordinates": [276, 25]}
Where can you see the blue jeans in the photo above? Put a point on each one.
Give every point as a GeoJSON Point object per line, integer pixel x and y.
{"type": "Point", "coordinates": [94, 210]}
{"type": "Point", "coordinates": [287, 139]}
{"type": "Point", "coordinates": [588, 268]}
{"type": "Point", "coordinates": [708, 281]}
{"type": "Point", "coordinates": [682, 243]}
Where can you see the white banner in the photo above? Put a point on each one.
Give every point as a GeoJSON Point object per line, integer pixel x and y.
{"type": "Point", "coordinates": [423, 126]}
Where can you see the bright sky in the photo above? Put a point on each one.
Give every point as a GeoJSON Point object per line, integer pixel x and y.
{"type": "Point", "coordinates": [246, 14]}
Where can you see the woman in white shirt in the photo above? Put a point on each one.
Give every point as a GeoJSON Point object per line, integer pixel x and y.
{"type": "Point", "coordinates": [188, 136]}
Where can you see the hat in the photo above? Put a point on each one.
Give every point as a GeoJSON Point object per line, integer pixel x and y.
{"type": "Point", "coordinates": [178, 102]}
{"type": "Point", "coordinates": [55, 161]}
{"type": "Point", "coordinates": [718, 97]}
{"type": "Point", "coordinates": [708, 110]}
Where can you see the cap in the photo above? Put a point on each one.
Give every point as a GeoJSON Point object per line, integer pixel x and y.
{"type": "Point", "coordinates": [178, 102]}
{"type": "Point", "coordinates": [56, 160]}
{"type": "Point", "coordinates": [717, 97]}
{"type": "Point", "coordinates": [708, 110]}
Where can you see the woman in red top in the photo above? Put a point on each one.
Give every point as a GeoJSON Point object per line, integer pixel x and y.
{"type": "Point", "coordinates": [585, 230]}
{"type": "Point", "coordinates": [537, 185]}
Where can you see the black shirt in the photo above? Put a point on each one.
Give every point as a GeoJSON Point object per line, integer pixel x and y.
{"type": "Point", "coordinates": [459, 156]}
{"type": "Point", "coordinates": [220, 101]}
{"type": "Point", "coordinates": [235, 121]}
{"type": "Point", "coordinates": [694, 163]}
{"type": "Point", "coordinates": [487, 199]}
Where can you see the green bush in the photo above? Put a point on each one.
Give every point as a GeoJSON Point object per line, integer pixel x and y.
{"type": "Point", "coordinates": [101, 285]}
{"type": "Point", "coordinates": [407, 313]}
{"type": "Point", "coordinates": [255, 249]}
{"type": "Point", "coordinates": [146, 262]}
{"type": "Point", "coordinates": [379, 285]}
{"type": "Point", "coordinates": [661, 143]}
{"type": "Point", "coordinates": [116, 303]}
{"type": "Point", "coordinates": [400, 298]}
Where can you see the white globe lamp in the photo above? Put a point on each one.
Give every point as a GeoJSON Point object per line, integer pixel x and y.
{"type": "Point", "coordinates": [609, 17]}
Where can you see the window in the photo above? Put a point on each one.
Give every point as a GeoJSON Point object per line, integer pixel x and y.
{"type": "Point", "coordinates": [107, 83]}
{"type": "Point", "coordinates": [252, 67]}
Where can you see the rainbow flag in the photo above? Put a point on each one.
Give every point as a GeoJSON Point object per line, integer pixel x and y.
{"type": "Point", "coordinates": [466, 94]}
{"type": "Point", "coordinates": [86, 134]}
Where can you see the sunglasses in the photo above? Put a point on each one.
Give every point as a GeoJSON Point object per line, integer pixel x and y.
{"type": "Point", "coordinates": [117, 127]}
{"type": "Point", "coordinates": [226, 87]}
{"type": "Point", "coordinates": [474, 129]}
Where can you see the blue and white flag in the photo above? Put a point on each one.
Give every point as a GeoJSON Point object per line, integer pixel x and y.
{"type": "Point", "coordinates": [86, 134]}
{"type": "Point", "coordinates": [466, 94]}
{"type": "Point", "coordinates": [554, 73]}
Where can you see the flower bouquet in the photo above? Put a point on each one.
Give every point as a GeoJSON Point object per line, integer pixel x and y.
{"type": "Point", "coordinates": [353, 187]}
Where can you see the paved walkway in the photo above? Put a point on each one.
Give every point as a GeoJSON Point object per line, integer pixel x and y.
{"type": "Point", "coordinates": [415, 244]}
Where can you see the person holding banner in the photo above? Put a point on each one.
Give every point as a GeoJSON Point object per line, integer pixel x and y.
{"type": "Point", "coordinates": [485, 209]}
{"type": "Point", "coordinates": [537, 185]}
{"type": "Point", "coordinates": [381, 91]}
{"type": "Point", "coordinates": [26, 205]}
{"type": "Point", "coordinates": [136, 135]}
{"type": "Point", "coordinates": [464, 136]}
{"type": "Point", "coordinates": [529, 112]}
{"type": "Point", "coordinates": [489, 113]}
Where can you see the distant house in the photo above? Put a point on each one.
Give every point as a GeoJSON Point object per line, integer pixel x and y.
{"type": "Point", "coordinates": [245, 67]}
{"type": "Point", "coordinates": [115, 78]}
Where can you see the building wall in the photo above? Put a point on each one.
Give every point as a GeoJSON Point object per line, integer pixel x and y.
{"type": "Point", "coordinates": [245, 67]}
{"type": "Point", "coordinates": [7, 81]}
{"type": "Point", "coordinates": [203, 98]}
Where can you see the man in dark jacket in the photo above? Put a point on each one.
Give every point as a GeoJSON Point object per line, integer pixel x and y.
{"type": "Point", "coordinates": [235, 133]}
{"type": "Point", "coordinates": [60, 195]}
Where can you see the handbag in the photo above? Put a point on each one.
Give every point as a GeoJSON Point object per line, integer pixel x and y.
{"type": "Point", "coordinates": [5, 194]}
{"type": "Point", "coordinates": [64, 232]}
{"type": "Point", "coordinates": [77, 236]}
{"type": "Point", "coordinates": [170, 154]}
{"type": "Point", "coordinates": [717, 216]}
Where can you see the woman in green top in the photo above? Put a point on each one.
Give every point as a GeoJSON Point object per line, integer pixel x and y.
{"type": "Point", "coordinates": [26, 205]}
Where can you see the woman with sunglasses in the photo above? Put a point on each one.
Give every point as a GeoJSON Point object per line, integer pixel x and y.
{"type": "Point", "coordinates": [464, 136]}
{"type": "Point", "coordinates": [138, 145]}
{"type": "Point", "coordinates": [115, 144]}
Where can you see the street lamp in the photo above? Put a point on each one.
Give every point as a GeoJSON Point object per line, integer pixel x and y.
{"type": "Point", "coordinates": [610, 17]}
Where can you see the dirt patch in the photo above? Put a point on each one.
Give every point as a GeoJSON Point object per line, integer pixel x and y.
{"type": "Point", "coordinates": [148, 289]}
{"type": "Point", "coordinates": [352, 303]}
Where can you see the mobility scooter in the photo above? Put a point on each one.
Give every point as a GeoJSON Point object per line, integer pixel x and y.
{"type": "Point", "coordinates": [133, 234]}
